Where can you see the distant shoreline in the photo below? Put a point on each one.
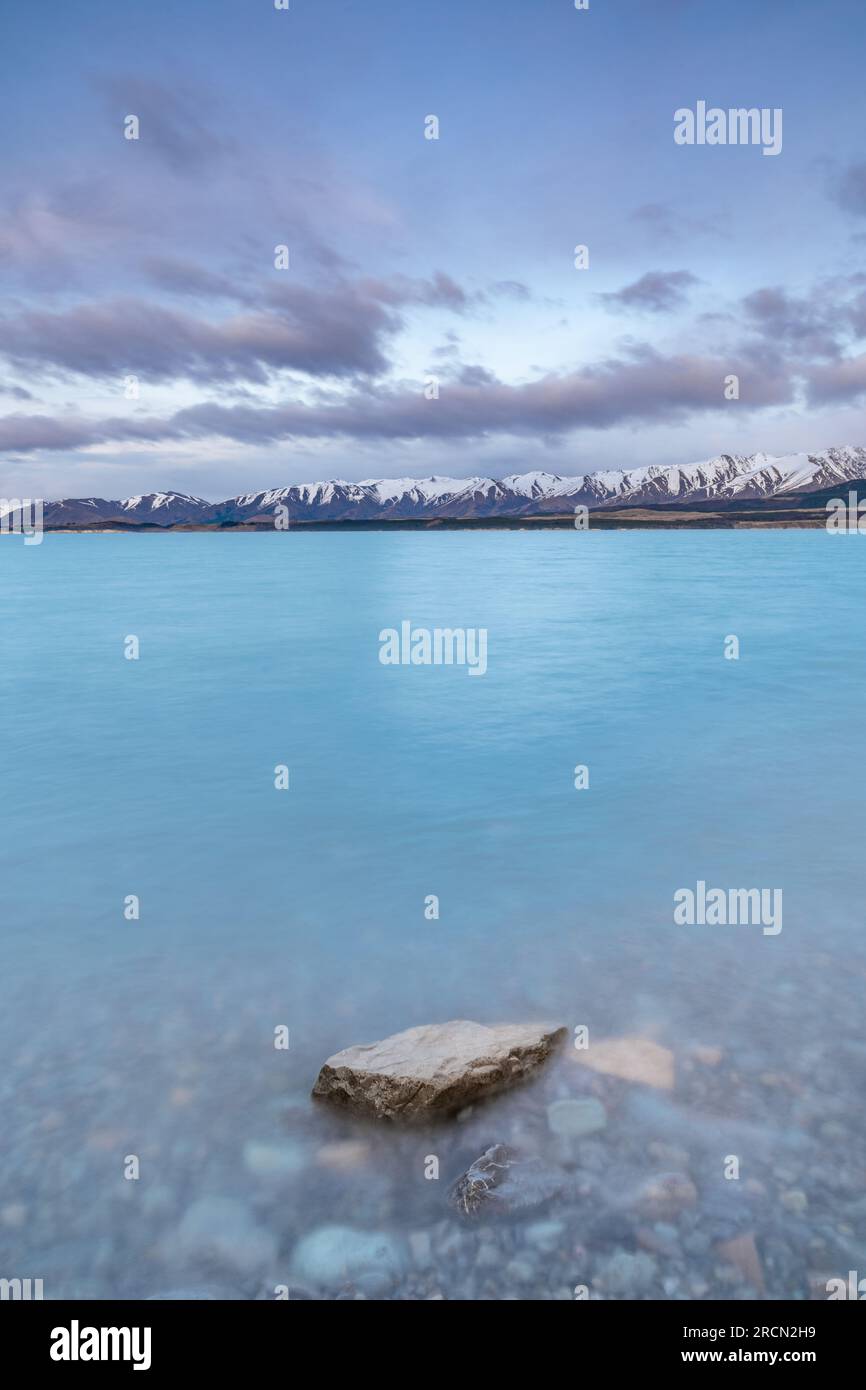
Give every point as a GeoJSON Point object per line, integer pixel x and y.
{"type": "Point", "coordinates": [636, 519]}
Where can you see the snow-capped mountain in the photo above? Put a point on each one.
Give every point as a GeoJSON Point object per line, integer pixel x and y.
{"type": "Point", "coordinates": [161, 508]}
{"type": "Point", "coordinates": [726, 478]}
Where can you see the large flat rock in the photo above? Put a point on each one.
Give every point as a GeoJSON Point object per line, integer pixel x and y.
{"type": "Point", "coordinates": [436, 1068]}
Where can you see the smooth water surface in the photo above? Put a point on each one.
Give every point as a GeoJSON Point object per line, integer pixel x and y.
{"type": "Point", "coordinates": [306, 908]}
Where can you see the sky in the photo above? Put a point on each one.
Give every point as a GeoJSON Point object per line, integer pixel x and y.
{"type": "Point", "coordinates": [431, 318]}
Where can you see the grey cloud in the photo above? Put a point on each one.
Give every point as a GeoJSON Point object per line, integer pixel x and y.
{"type": "Point", "coordinates": [838, 382]}
{"type": "Point", "coordinates": [171, 122]}
{"type": "Point", "coordinates": [472, 374]}
{"type": "Point", "coordinates": [511, 289]}
{"type": "Point", "coordinates": [810, 325]}
{"type": "Point", "coordinates": [658, 292]}
{"type": "Point", "coordinates": [186, 278]}
{"type": "Point", "coordinates": [440, 291]}
{"type": "Point", "coordinates": [665, 221]}
{"type": "Point", "coordinates": [647, 387]}
{"type": "Point", "coordinates": [849, 190]}
{"type": "Point", "coordinates": [340, 331]}
{"type": "Point", "coordinates": [322, 334]}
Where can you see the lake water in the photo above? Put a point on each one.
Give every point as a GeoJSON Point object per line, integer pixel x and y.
{"type": "Point", "coordinates": [154, 1038]}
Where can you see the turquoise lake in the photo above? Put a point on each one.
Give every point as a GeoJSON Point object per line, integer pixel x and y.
{"type": "Point", "coordinates": [305, 907]}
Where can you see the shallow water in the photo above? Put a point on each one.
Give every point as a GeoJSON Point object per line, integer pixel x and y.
{"type": "Point", "coordinates": [305, 908]}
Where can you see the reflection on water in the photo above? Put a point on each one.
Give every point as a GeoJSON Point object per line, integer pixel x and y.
{"type": "Point", "coordinates": [261, 908]}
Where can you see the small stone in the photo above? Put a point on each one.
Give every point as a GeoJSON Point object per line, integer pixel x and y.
{"type": "Point", "coordinates": [545, 1235]}
{"type": "Point", "coordinates": [670, 1155]}
{"type": "Point", "coordinates": [660, 1239]}
{"type": "Point", "coordinates": [834, 1132]}
{"type": "Point", "coordinates": [795, 1201]}
{"type": "Point", "coordinates": [742, 1254]}
{"type": "Point", "coordinates": [267, 1158]}
{"type": "Point", "coordinates": [573, 1119]}
{"type": "Point", "coordinates": [332, 1256]}
{"type": "Point", "coordinates": [630, 1059]}
{"type": "Point", "coordinates": [628, 1274]}
{"type": "Point", "coordinates": [665, 1195]}
{"type": "Point", "coordinates": [488, 1257]}
{"type": "Point", "coordinates": [344, 1155]}
{"type": "Point", "coordinates": [14, 1215]}
{"type": "Point", "coordinates": [697, 1243]}
{"type": "Point", "coordinates": [501, 1181]}
{"type": "Point", "coordinates": [421, 1249]}
{"type": "Point", "coordinates": [222, 1230]}
{"type": "Point", "coordinates": [520, 1271]}
{"type": "Point", "coordinates": [785, 1175]}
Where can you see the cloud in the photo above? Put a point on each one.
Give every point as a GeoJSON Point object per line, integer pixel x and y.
{"type": "Point", "coordinates": [510, 289]}
{"type": "Point", "coordinates": [341, 330]}
{"type": "Point", "coordinates": [171, 122]}
{"type": "Point", "coordinates": [838, 382]}
{"type": "Point", "coordinates": [812, 325]}
{"type": "Point", "coordinates": [183, 277]}
{"type": "Point", "coordinates": [338, 331]}
{"type": "Point", "coordinates": [663, 220]}
{"type": "Point", "coordinates": [646, 387]}
{"type": "Point", "coordinates": [657, 292]}
{"type": "Point", "coordinates": [849, 190]}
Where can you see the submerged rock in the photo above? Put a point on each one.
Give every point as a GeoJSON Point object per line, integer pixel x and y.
{"type": "Point", "coordinates": [664, 1196]}
{"type": "Point", "coordinates": [332, 1256]}
{"type": "Point", "coordinates": [572, 1119]}
{"type": "Point", "coordinates": [626, 1275]}
{"type": "Point", "coordinates": [630, 1059]}
{"type": "Point", "coordinates": [500, 1182]}
{"type": "Point", "coordinates": [742, 1253]}
{"type": "Point", "coordinates": [223, 1231]}
{"type": "Point", "coordinates": [435, 1069]}
{"type": "Point", "coordinates": [267, 1158]}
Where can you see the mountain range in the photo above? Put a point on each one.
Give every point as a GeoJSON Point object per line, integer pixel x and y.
{"type": "Point", "coordinates": [729, 482]}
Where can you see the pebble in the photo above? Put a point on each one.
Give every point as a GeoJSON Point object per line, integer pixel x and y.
{"type": "Point", "coordinates": [222, 1230]}
{"type": "Point", "coordinates": [342, 1157]}
{"type": "Point", "coordinates": [421, 1248]}
{"type": "Point", "coordinates": [545, 1235]}
{"type": "Point", "coordinates": [627, 1274]}
{"type": "Point", "coordinates": [665, 1195]}
{"type": "Point", "coordinates": [332, 1256]}
{"type": "Point", "coordinates": [522, 1271]}
{"type": "Point", "coordinates": [13, 1215]}
{"type": "Point", "coordinates": [795, 1201]}
{"type": "Point", "coordinates": [267, 1158]}
{"type": "Point", "coordinates": [575, 1118]}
